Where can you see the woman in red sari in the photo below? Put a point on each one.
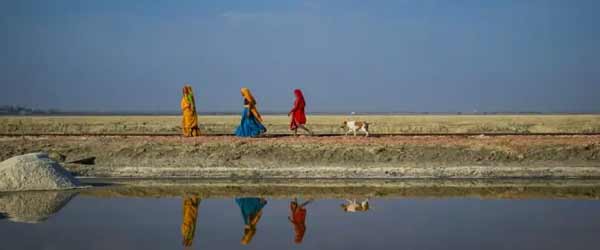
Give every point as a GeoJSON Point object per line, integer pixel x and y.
{"type": "Point", "coordinates": [298, 117]}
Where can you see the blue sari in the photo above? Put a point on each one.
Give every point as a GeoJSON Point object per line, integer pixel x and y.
{"type": "Point", "coordinates": [249, 126]}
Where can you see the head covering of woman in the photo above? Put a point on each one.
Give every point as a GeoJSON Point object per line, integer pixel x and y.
{"type": "Point", "coordinates": [299, 230]}
{"type": "Point", "coordinates": [248, 96]}
{"type": "Point", "coordinates": [249, 233]}
{"type": "Point", "coordinates": [251, 103]}
{"type": "Point", "coordinates": [188, 94]}
{"type": "Point", "coordinates": [299, 95]}
{"type": "Point", "coordinates": [250, 229]}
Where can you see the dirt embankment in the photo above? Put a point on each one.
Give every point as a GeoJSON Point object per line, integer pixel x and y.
{"type": "Point", "coordinates": [317, 157]}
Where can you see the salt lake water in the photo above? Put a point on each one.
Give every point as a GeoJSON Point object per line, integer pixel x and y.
{"type": "Point", "coordinates": [51, 220]}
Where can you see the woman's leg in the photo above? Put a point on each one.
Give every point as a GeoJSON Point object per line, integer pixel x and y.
{"type": "Point", "coordinates": [305, 129]}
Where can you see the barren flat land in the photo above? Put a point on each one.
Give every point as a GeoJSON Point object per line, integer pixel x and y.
{"type": "Point", "coordinates": [321, 124]}
{"type": "Point", "coordinates": [159, 154]}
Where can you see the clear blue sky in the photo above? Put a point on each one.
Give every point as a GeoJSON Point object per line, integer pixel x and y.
{"type": "Point", "coordinates": [421, 55]}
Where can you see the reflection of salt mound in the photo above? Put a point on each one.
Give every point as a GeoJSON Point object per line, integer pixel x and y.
{"type": "Point", "coordinates": [32, 207]}
{"type": "Point", "coordinates": [34, 172]}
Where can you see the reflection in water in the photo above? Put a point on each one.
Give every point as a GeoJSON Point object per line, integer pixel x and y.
{"type": "Point", "coordinates": [251, 209]}
{"type": "Point", "coordinates": [104, 222]}
{"type": "Point", "coordinates": [353, 206]}
{"type": "Point", "coordinates": [32, 207]}
{"type": "Point", "coordinates": [298, 219]}
{"type": "Point", "coordinates": [190, 216]}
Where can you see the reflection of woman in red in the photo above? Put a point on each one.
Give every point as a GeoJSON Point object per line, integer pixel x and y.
{"type": "Point", "coordinates": [298, 117]}
{"type": "Point", "coordinates": [298, 219]}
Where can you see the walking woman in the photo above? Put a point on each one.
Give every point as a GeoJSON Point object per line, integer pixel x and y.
{"type": "Point", "coordinates": [190, 117]}
{"type": "Point", "coordinates": [251, 124]}
{"type": "Point", "coordinates": [190, 216]}
{"type": "Point", "coordinates": [298, 117]}
{"type": "Point", "coordinates": [251, 209]}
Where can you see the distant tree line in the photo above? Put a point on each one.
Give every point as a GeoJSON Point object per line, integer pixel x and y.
{"type": "Point", "coordinates": [21, 110]}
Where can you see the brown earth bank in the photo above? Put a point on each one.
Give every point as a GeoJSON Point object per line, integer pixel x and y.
{"type": "Point", "coordinates": [345, 189]}
{"type": "Point", "coordinates": [322, 157]}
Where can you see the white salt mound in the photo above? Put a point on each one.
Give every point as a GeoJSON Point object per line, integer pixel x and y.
{"type": "Point", "coordinates": [34, 172]}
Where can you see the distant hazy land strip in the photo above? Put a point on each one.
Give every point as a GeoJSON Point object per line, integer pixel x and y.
{"type": "Point", "coordinates": [321, 124]}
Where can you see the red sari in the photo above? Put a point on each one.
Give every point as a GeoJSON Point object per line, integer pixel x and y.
{"type": "Point", "coordinates": [298, 117]}
{"type": "Point", "coordinates": [298, 219]}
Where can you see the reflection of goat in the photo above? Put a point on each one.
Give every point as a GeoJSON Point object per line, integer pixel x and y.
{"type": "Point", "coordinates": [352, 206]}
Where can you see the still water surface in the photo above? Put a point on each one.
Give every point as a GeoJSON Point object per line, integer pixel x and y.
{"type": "Point", "coordinates": [447, 223]}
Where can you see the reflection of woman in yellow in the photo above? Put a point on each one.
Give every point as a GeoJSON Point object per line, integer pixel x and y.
{"type": "Point", "coordinates": [190, 117]}
{"type": "Point", "coordinates": [251, 209]}
{"type": "Point", "coordinates": [190, 215]}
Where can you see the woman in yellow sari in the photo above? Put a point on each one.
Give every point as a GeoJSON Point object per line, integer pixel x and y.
{"type": "Point", "coordinates": [190, 216]}
{"type": "Point", "coordinates": [190, 117]}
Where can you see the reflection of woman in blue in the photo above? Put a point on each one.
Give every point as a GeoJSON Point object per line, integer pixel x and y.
{"type": "Point", "coordinates": [251, 209]}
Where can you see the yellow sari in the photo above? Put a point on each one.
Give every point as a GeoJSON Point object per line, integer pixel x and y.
{"type": "Point", "coordinates": [190, 216]}
{"type": "Point", "coordinates": [190, 117]}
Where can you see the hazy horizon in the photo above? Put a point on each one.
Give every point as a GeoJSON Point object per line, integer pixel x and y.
{"type": "Point", "coordinates": [347, 56]}
{"type": "Point", "coordinates": [42, 111]}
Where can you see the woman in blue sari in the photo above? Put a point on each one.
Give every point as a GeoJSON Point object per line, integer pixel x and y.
{"type": "Point", "coordinates": [251, 209]}
{"type": "Point", "coordinates": [251, 124]}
